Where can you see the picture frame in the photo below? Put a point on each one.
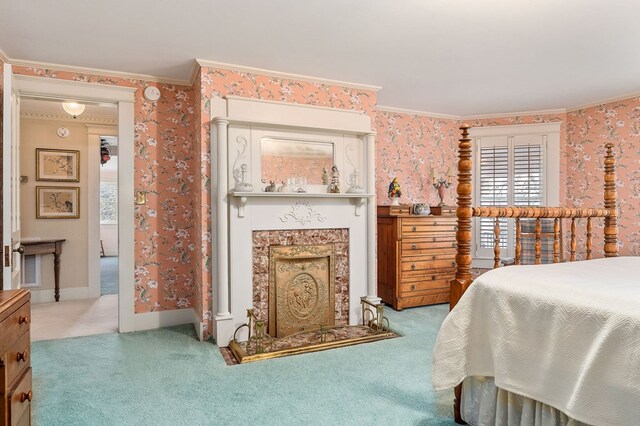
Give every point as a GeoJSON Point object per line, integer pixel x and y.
{"type": "Point", "coordinates": [57, 202]}
{"type": "Point", "coordinates": [57, 165]}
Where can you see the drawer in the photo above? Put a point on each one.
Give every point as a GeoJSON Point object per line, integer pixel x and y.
{"type": "Point", "coordinates": [422, 246]}
{"type": "Point", "coordinates": [416, 229]}
{"type": "Point", "coordinates": [18, 358]}
{"type": "Point", "coordinates": [14, 326]}
{"type": "Point", "coordinates": [20, 400]}
{"type": "Point", "coordinates": [419, 263]}
{"type": "Point", "coordinates": [427, 274]}
{"type": "Point", "coordinates": [434, 254]}
{"type": "Point", "coordinates": [421, 298]}
{"type": "Point", "coordinates": [422, 285]}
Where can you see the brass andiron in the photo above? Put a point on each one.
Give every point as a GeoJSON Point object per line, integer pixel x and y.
{"type": "Point", "coordinates": [261, 340]}
{"type": "Point", "coordinates": [377, 318]}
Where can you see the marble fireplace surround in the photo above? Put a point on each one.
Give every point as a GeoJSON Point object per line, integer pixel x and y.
{"type": "Point", "coordinates": [262, 240]}
{"type": "Point", "coordinates": [237, 126]}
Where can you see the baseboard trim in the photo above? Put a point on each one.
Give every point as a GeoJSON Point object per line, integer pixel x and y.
{"type": "Point", "coordinates": [159, 319]}
{"type": "Point", "coordinates": [47, 296]}
{"type": "Point", "coordinates": [198, 325]}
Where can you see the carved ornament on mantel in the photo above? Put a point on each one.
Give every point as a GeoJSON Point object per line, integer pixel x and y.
{"type": "Point", "coordinates": [303, 213]}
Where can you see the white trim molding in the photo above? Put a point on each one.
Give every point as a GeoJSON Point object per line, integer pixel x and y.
{"type": "Point", "coordinates": [70, 293]}
{"type": "Point", "coordinates": [98, 71]}
{"type": "Point", "coordinates": [416, 112]}
{"type": "Point", "coordinates": [158, 319]}
{"type": "Point", "coordinates": [286, 75]}
{"type": "Point", "coordinates": [84, 119]}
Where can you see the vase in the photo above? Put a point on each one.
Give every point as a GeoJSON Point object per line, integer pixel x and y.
{"type": "Point", "coordinates": [395, 201]}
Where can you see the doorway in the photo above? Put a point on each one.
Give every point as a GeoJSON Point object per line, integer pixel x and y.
{"type": "Point", "coordinates": [22, 87]}
{"type": "Point", "coordinates": [69, 195]}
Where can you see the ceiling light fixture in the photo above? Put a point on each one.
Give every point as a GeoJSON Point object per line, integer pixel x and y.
{"type": "Point", "coordinates": [73, 108]}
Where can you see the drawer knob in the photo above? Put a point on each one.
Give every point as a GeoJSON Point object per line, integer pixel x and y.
{"type": "Point", "coordinates": [453, 245]}
{"type": "Point", "coordinates": [434, 239]}
{"type": "Point", "coordinates": [414, 247]}
{"type": "Point", "coordinates": [26, 396]}
{"type": "Point", "coordinates": [413, 266]}
{"type": "Point", "coordinates": [433, 277]}
{"type": "Point", "coordinates": [413, 286]}
{"type": "Point", "coordinates": [414, 229]}
{"type": "Point", "coordinates": [455, 228]}
{"type": "Point", "coordinates": [434, 257]}
{"type": "Point", "coordinates": [453, 263]}
{"type": "Point", "coordinates": [23, 319]}
{"type": "Point", "coordinates": [22, 356]}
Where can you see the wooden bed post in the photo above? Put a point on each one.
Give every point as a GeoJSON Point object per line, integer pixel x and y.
{"type": "Point", "coordinates": [463, 238]}
{"type": "Point", "coordinates": [610, 203]}
{"type": "Point", "coordinates": [464, 212]}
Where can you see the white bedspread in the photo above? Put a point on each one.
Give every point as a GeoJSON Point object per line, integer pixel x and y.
{"type": "Point", "coordinates": [566, 334]}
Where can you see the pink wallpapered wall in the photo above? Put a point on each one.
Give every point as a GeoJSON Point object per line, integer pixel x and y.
{"type": "Point", "coordinates": [588, 130]}
{"type": "Point", "coordinates": [164, 226]}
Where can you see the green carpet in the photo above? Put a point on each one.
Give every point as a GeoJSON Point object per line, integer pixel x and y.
{"type": "Point", "coordinates": [109, 275]}
{"type": "Point", "coordinates": [167, 377]}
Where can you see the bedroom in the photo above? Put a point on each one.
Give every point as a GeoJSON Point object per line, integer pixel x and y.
{"type": "Point", "coordinates": [571, 64]}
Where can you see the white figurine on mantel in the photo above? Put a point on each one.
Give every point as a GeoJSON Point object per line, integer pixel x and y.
{"type": "Point", "coordinates": [239, 177]}
{"type": "Point", "coordinates": [334, 186]}
{"type": "Point", "coordinates": [354, 188]}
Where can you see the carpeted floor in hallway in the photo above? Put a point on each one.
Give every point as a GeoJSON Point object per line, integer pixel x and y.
{"type": "Point", "coordinates": [167, 377]}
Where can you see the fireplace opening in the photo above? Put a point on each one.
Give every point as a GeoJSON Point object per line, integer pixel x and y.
{"type": "Point", "coordinates": [301, 288]}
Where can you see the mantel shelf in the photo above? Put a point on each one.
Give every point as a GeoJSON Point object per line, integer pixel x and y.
{"type": "Point", "coordinates": [243, 197]}
{"type": "Point", "coordinates": [298, 195]}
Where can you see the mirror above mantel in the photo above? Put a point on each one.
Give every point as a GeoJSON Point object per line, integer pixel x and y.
{"type": "Point", "coordinates": [285, 159]}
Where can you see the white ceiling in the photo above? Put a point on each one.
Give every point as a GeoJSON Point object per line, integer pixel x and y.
{"type": "Point", "coordinates": [459, 57]}
{"type": "Point", "coordinates": [50, 107]}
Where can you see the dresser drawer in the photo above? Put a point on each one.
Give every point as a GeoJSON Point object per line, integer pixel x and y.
{"type": "Point", "coordinates": [18, 358]}
{"type": "Point", "coordinates": [411, 230]}
{"type": "Point", "coordinates": [421, 246]}
{"type": "Point", "coordinates": [422, 285]}
{"type": "Point", "coordinates": [426, 254]}
{"type": "Point", "coordinates": [14, 326]}
{"type": "Point", "coordinates": [420, 263]}
{"type": "Point", "coordinates": [20, 401]}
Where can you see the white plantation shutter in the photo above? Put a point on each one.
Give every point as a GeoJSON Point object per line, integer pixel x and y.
{"type": "Point", "coordinates": [509, 171]}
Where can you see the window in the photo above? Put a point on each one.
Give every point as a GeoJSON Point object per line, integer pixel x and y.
{"type": "Point", "coordinates": [513, 166]}
{"type": "Point", "coordinates": [108, 202]}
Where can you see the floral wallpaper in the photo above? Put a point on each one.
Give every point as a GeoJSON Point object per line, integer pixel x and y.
{"type": "Point", "coordinates": [588, 130]}
{"type": "Point", "coordinates": [409, 147]}
{"type": "Point", "coordinates": [164, 226]}
{"type": "Point", "coordinates": [213, 82]}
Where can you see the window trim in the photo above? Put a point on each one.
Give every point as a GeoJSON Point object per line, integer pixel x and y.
{"type": "Point", "coordinates": [551, 132]}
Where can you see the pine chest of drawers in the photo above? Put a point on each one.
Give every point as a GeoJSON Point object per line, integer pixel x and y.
{"type": "Point", "coordinates": [15, 358]}
{"type": "Point", "coordinates": [416, 256]}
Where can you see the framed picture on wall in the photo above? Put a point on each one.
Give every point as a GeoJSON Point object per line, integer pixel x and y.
{"type": "Point", "coordinates": [57, 202]}
{"type": "Point", "coordinates": [57, 165]}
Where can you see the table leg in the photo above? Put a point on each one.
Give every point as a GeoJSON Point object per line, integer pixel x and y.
{"type": "Point", "coordinates": [56, 274]}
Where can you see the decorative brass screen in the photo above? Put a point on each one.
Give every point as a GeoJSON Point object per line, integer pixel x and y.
{"type": "Point", "coordinates": [301, 288]}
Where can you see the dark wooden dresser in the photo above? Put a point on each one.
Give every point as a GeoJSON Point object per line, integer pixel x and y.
{"type": "Point", "coordinates": [15, 357]}
{"type": "Point", "coordinates": [416, 256]}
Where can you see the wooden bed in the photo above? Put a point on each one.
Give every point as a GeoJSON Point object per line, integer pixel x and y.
{"type": "Point", "coordinates": [465, 213]}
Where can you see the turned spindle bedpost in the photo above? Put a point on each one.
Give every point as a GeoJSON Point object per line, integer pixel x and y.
{"type": "Point", "coordinates": [610, 203]}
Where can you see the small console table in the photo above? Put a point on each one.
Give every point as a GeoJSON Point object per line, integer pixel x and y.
{"type": "Point", "coordinates": [47, 247]}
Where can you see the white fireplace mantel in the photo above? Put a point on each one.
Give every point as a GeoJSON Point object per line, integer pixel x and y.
{"type": "Point", "coordinates": [237, 126]}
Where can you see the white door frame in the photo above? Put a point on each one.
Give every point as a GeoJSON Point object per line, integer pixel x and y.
{"type": "Point", "coordinates": [124, 97]}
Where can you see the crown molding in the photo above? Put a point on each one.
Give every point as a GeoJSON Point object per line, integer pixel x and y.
{"type": "Point", "coordinates": [604, 102]}
{"type": "Point", "coordinates": [514, 114]}
{"type": "Point", "coordinates": [3, 56]}
{"type": "Point", "coordinates": [95, 120]}
{"type": "Point", "coordinates": [97, 71]}
{"type": "Point", "coordinates": [416, 112]}
{"type": "Point", "coordinates": [289, 76]}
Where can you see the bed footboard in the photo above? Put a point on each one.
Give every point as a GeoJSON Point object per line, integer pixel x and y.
{"type": "Point", "coordinates": [465, 213]}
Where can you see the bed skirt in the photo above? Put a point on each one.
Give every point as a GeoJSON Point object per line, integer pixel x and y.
{"type": "Point", "coordinates": [485, 404]}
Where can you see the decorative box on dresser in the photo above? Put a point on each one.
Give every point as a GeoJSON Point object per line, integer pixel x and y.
{"type": "Point", "coordinates": [416, 255]}
{"type": "Point", "coordinates": [15, 357]}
